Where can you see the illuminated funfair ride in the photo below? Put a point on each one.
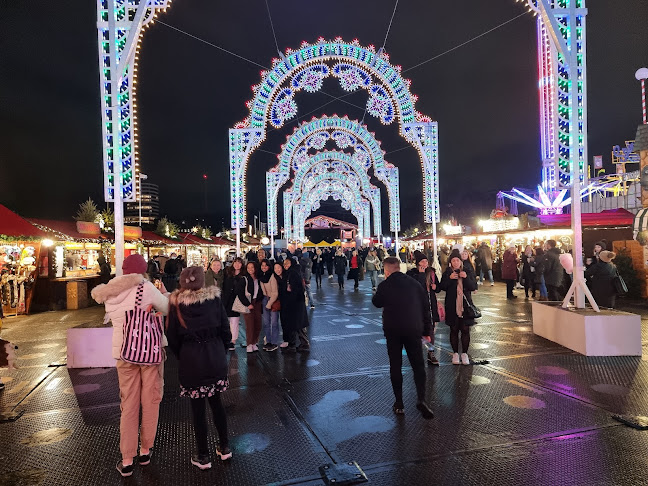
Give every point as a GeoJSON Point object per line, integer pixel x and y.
{"type": "Point", "coordinates": [563, 105]}
{"type": "Point", "coordinates": [331, 165]}
{"type": "Point", "coordinates": [348, 196]}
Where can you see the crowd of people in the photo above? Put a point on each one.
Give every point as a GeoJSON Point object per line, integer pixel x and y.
{"type": "Point", "coordinates": [204, 309]}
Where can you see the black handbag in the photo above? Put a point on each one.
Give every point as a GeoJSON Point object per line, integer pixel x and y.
{"type": "Point", "coordinates": [619, 284]}
{"type": "Point", "coordinates": [471, 311]}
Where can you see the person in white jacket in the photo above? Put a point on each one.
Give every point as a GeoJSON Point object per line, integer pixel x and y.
{"type": "Point", "coordinates": [140, 386]}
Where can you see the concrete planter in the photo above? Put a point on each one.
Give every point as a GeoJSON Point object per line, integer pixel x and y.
{"type": "Point", "coordinates": [605, 333]}
{"type": "Point", "coordinates": [90, 347]}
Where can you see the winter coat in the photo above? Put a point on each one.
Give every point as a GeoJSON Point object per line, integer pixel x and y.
{"type": "Point", "coordinates": [539, 265]}
{"type": "Point", "coordinates": [450, 287]}
{"type": "Point", "coordinates": [421, 278]}
{"type": "Point", "coordinates": [318, 264]}
{"type": "Point", "coordinates": [340, 263]}
{"type": "Point", "coordinates": [201, 347]}
{"type": "Point", "coordinates": [527, 272]}
{"type": "Point", "coordinates": [293, 304]}
{"type": "Point", "coordinates": [216, 279]}
{"type": "Point", "coordinates": [271, 290]}
{"type": "Point", "coordinates": [246, 292]}
{"type": "Point", "coordinates": [118, 295]}
{"type": "Point", "coordinates": [172, 267]}
{"type": "Point", "coordinates": [233, 286]}
{"type": "Point", "coordinates": [553, 270]}
{"type": "Point", "coordinates": [485, 258]}
{"type": "Point", "coordinates": [600, 280]}
{"type": "Point", "coordinates": [406, 308]}
{"type": "Point", "coordinates": [306, 268]}
{"type": "Point", "coordinates": [509, 266]}
{"type": "Point", "coordinates": [372, 263]}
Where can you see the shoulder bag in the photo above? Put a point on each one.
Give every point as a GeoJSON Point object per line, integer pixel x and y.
{"type": "Point", "coordinates": [619, 284]}
{"type": "Point", "coordinates": [142, 335]}
{"type": "Point", "coordinates": [471, 311]}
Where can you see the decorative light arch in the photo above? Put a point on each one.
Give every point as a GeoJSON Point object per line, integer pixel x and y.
{"type": "Point", "coordinates": [338, 190]}
{"type": "Point", "coordinates": [333, 166]}
{"type": "Point", "coordinates": [347, 134]}
{"type": "Point", "coordinates": [356, 67]}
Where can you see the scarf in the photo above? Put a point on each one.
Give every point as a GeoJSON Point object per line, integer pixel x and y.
{"type": "Point", "coordinates": [460, 298]}
{"type": "Point", "coordinates": [265, 276]}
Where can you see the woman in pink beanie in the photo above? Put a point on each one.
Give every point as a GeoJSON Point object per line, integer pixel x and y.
{"type": "Point", "coordinates": [140, 386]}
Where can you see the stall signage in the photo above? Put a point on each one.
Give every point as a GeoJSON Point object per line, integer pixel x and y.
{"type": "Point", "coordinates": [452, 230]}
{"type": "Point", "coordinates": [494, 225]}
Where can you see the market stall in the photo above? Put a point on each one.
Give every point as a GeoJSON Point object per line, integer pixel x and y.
{"type": "Point", "coordinates": [20, 260]}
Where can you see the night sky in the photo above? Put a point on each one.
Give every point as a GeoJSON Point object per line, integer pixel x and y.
{"type": "Point", "coordinates": [484, 96]}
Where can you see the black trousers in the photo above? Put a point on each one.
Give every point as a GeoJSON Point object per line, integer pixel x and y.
{"type": "Point", "coordinates": [199, 412]}
{"type": "Point", "coordinates": [414, 352]}
{"type": "Point", "coordinates": [341, 279]}
{"type": "Point", "coordinates": [510, 284]}
{"type": "Point", "coordinates": [318, 279]}
{"type": "Point", "coordinates": [553, 292]}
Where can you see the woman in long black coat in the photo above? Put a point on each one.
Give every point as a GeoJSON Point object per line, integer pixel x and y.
{"type": "Point", "coordinates": [233, 286]}
{"type": "Point", "coordinates": [340, 262]}
{"type": "Point", "coordinates": [600, 279]}
{"type": "Point", "coordinates": [294, 317]}
{"type": "Point", "coordinates": [454, 276]}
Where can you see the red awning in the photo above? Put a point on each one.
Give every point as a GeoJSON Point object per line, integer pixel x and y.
{"type": "Point", "coordinates": [191, 239]}
{"type": "Point", "coordinates": [15, 226]}
{"type": "Point", "coordinates": [609, 217]}
{"type": "Point", "coordinates": [222, 241]}
{"type": "Point", "coordinates": [150, 236]}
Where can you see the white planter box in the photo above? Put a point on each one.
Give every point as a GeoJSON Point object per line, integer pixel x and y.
{"type": "Point", "coordinates": [605, 333]}
{"type": "Point", "coordinates": [90, 348]}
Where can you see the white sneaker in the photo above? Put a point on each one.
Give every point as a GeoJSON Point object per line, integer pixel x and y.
{"type": "Point", "coordinates": [283, 345]}
{"type": "Point", "coordinates": [250, 348]}
{"type": "Point", "coordinates": [255, 347]}
{"type": "Point", "coordinates": [492, 284]}
{"type": "Point", "coordinates": [455, 358]}
{"type": "Point", "coordinates": [464, 359]}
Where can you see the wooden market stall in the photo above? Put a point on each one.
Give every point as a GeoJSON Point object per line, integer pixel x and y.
{"type": "Point", "coordinates": [20, 260]}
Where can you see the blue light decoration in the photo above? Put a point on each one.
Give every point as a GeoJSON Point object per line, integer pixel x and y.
{"type": "Point", "coordinates": [562, 89]}
{"type": "Point", "coordinates": [305, 69]}
{"type": "Point", "coordinates": [333, 165]}
{"type": "Point", "coordinates": [345, 134]}
{"type": "Point", "coordinates": [120, 25]}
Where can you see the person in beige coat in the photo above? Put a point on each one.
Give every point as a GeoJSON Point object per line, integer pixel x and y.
{"type": "Point", "coordinates": [140, 386]}
{"type": "Point", "coordinates": [270, 290]}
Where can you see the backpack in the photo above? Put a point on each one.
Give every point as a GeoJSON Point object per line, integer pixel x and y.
{"type": "Point", "coordinates": [142, 338]}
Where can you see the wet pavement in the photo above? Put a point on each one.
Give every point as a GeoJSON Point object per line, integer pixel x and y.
{"type": "Point", "coordinates": [532, 413]}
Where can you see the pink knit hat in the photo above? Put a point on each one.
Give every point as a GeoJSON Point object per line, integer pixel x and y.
{"type": "Point", "coordinates": [134, 264]}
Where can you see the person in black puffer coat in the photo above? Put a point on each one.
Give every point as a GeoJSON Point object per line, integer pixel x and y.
{"type": "Point", "coordinates": [553, 270]}
{"type": "Point", "coordinates": [600, 279]}
{"type": "Point", "coordinates": [198, 333]}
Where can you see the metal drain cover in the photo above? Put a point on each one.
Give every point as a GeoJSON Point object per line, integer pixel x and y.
{"type": "Point", "coordinates": [639, 422]}
{"type": "Point", "coordinates": [345, 473]}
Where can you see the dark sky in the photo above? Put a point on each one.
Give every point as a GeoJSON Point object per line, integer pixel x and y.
{"type": "Point", "coordinates": [484, 96]}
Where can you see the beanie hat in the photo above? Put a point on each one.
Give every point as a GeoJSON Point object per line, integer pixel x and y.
{"type": "Point", "coordinates": [134, 263]}
{"type": "Point", "coordinates": [607, 256]}
{"type": "Point", "coordinates": [601, 244]}
{"type": "Point", "coordinates": [192, 278]}
{"type": "Point", "coordinates": [455, 253]}
{"type": "Point", "coordinates": [419, 256]}
{"type": "Point", "coordinates": [459, 247]}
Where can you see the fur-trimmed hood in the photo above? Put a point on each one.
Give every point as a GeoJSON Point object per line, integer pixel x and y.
{"type": "Point", "coordinates": [189, 297]}
{"type": "Point", "coordinates": [117, 286]}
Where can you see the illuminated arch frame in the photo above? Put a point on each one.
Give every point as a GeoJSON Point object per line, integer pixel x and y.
{"type": "Point", "coordinates": [339, 190]}
{"type": "Point", "coordinates": [367, 152]}
{"type": "Point", "coordinates": [306, 180]}
{"type": "Point", "coordinates": [356, 67]}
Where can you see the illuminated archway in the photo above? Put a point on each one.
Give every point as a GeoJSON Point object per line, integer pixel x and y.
{"type": "Point", "coordinates": [332, 167]}
{"type": "Point", "coordinates": [347, 135]}
{"type": "Point", "coordinates": [356, 67]}
{"type": "Point", "coordinates": [350, 198]}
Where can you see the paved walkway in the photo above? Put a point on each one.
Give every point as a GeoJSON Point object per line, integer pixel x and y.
{"type": "Point", "coordinates": [536, 414]}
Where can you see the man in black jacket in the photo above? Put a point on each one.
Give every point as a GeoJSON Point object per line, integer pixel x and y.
{"type": "Point", "coordinates": [406, 319]}
{"type": "Point", "coordinates": [553, 270]}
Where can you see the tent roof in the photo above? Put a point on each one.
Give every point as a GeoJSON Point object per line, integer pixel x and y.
{"type": "Point", "coordinates": [66, 230]}
{"type": "Point", "coordinates": [13, 225]}
{"type": "Point", "coordinates": [609, 217]}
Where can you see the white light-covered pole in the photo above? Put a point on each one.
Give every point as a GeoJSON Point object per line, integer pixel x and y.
{"type": "Point", "coordinates": [238, 242]}
{"type": "Point", "coordinates": [272, 249]}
